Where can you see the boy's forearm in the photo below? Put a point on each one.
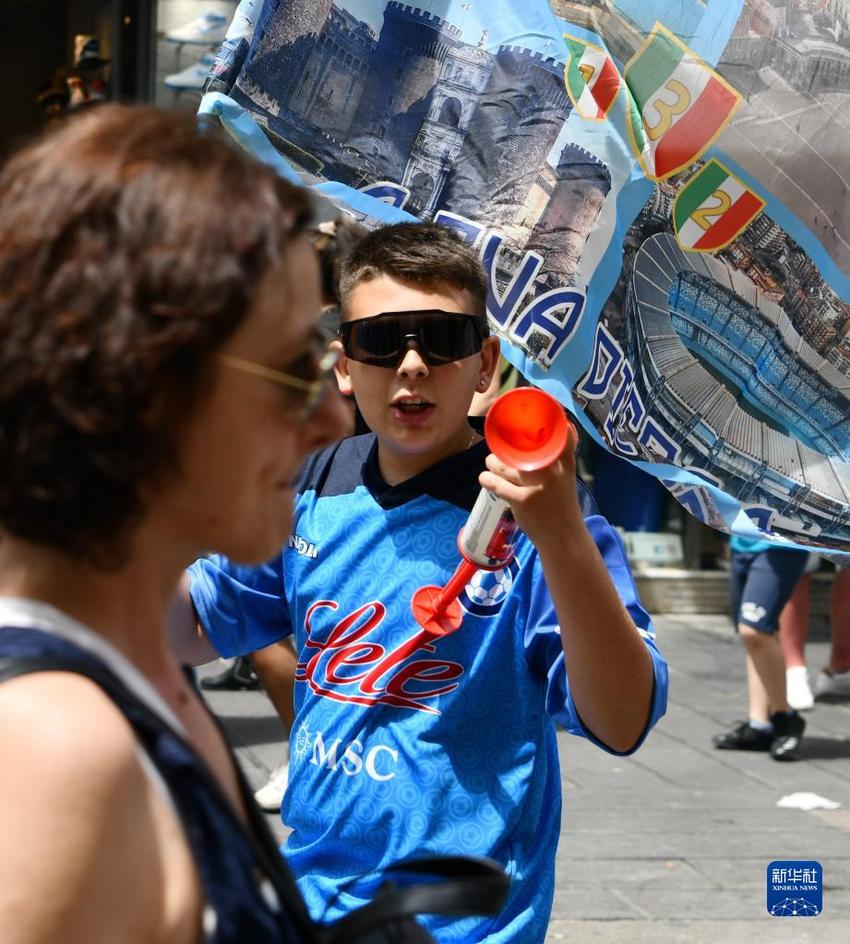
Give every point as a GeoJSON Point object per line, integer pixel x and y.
{"type": "Point", "coordinates": [609, 668]}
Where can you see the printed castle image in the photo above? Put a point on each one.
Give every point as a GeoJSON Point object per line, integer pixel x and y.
{"type": "Point", "coordinates": [457, 125]}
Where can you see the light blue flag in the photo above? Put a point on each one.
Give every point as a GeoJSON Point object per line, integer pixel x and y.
{"type": "Point", "coordinates": [658, 191]}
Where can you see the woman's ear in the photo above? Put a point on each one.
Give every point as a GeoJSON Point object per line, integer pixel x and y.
{"type": "Point", "coordinates": [343, 377]}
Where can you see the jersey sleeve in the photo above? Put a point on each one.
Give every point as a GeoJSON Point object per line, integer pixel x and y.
{"type": "Point", "coordinates": [242, 609]}
{"type": "Point", "coordinates": [543, 641]}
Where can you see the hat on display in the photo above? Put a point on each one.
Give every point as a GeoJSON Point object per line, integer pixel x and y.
{"type": "Point", "coordinates": [87, 52]}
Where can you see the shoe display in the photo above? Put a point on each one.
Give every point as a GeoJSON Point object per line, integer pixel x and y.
{"type": "Point", "coordinates": [787, 734]}
{"type": "Point", "coordinates": [209, 29]}
{"type": "Point", "coordinates": [743, 737]}
{"type": "Point", "coordinates": [832, 685]}
{"type": "Point", "coordinates": [798, 692]}
{"type": "Point", "coordinates": [238, 676]}
{"type": "Point", "coordinates": [192, 78]}
{"type": "Point", "coordinates": [270, 795]}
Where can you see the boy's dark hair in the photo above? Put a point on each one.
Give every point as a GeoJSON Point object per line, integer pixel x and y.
{"type": "Point", "coordinates": [131, 247]}
{"type": "Point", "coordinates": [416, 252]}
{"type": "Point", "coordinates": [334, 242]}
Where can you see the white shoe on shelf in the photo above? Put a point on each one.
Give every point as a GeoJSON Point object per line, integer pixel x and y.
{"type": "Point", "coordinates": [797, 689]}
{"type": "Point", "coordinates": [270, 795]}
{"type": "Point", "coordinates": [192, 78]}
{"type": "Point", "coordinates": [832, 684]}
{"type": "Point", "coordinates": [209, 29]}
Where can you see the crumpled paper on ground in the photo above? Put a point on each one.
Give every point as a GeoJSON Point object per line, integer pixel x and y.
{"type": "Point", "coordinates": [807, 802]}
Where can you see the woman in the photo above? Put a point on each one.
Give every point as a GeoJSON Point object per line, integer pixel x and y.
{"type": "Point", "coordinates": [161, 380]}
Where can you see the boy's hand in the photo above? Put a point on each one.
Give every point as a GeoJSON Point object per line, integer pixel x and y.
{"type": "Point", "coordinates": [609, 669]}
{"type": "Point", "coordinates": [545, 502]}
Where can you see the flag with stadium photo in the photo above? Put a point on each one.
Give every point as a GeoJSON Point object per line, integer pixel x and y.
{"type": "Point", "coordinates": [679, 105]}
{"type": "Point", "coordinates": [657, 190]}
{"type": "Point", "coordinates": [712, 208]}
{"type": "Point", "coordinates": [592, 79]}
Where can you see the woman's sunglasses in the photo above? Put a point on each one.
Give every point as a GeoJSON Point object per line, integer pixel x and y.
{"type": "Point", "coordinates": [440, 336]}
{"type": "Point", "coordinates": [309, 390]}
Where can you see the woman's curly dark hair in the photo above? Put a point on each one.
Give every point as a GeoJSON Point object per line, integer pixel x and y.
{"type": "Point", "coordinates": [132, 245]}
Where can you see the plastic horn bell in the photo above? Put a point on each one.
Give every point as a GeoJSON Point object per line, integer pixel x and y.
{"type": "Point", "coordinates": [527, 429]}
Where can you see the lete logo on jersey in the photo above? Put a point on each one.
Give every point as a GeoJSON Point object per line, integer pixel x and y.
{"type": "Point", "coordinates": [349, 665]}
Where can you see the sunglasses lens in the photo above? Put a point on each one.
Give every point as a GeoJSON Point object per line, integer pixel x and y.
{"type": "Point", "coordinates": [374, 341]}
{"type": "Point", "coordinates": [449, 338]}
{"type": "Point", "coordinates": [442, 337]}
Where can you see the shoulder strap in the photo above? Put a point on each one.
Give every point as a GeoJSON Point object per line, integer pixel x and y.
{"type": "Point", "coordinates": [460, 886]}
{"type": "Point", "coordinates": [259, 836]}
{"type": "Point", "coordinates": [451, 885]}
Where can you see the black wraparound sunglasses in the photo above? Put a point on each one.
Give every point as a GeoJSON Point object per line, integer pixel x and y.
{"type": "Point", "coordinates": [441, 336]}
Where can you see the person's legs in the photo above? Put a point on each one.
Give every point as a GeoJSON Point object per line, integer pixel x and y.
{"type": "Point", "coordinates": [839, 657]}
{"type": "Point", "coordinates": [276, 667]}
{"type": "Point", "coordinates": [745, 735]}
{"type": "Point", "coordinates": [794, 623]}
{"type": "Point", "coordinates": [761, 585]}
{"type": "Point", "coordinates": [793, 631]}
{"type": "Point", "coordinates": [765, 673]}
{"type": "Point", "coordinates": [834, 679]}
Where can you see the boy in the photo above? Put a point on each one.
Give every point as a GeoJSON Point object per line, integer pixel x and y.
{"type": "Point", "coordinates": [403, 743]}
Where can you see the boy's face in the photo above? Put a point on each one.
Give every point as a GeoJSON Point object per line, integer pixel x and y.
{"type": "Point", "coordinates": [417, 411]}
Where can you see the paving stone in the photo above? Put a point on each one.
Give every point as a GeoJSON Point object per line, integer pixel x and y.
{"type": "Point", "coordinates": [768, 930]}
{"type": "Point", "coordinates": [589, 901]}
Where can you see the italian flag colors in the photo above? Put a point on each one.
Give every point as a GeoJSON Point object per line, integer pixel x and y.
{"type": "Point", "coordinates": [678, 104]}
{"type": "Point", "coordinates": [712, 208]}
{"type": "Point", "coordinates": [591, 78]}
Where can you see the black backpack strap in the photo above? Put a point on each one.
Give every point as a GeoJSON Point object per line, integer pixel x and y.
{"type": "Point", "coordinates": [460, 886]}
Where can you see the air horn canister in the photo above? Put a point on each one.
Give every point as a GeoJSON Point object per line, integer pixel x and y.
{"type": "Point", "coordinates": [528, 430]}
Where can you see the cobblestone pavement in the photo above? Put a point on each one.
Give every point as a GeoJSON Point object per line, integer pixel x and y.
{"type": "Point", "coordinates": [672, 845]}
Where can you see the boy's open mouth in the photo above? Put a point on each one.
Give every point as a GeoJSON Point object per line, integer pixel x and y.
{"type": "Point", "coordinates": [413, 406]}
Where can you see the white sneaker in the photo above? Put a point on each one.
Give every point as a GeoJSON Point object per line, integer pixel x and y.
{"type": "Point", "coordinates": [833, 684]}
{"type": "Point", "coordinates": [207, 30]}
{"type": "Point", "coordinates": [192, 78]}
{"type": "Point", "coordinates": [270, 795]}
{"type": "Point", "coordinates": [797, 689]}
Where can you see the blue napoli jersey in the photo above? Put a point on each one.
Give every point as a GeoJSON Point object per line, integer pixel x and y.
{"type": "Point", "coordinates": [406, 744]}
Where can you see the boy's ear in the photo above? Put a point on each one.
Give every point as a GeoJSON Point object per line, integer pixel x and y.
{"type": "Point", "coordinates": [343, 377]}
{"type": "Point", "coordinates": [490, 350]}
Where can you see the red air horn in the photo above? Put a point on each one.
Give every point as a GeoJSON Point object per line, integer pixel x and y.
{"type": "Point", "coordinates": [527, 429]}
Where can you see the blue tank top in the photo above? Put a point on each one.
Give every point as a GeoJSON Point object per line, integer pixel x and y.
{"type": "Point", "coordinates": [240, 907]}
